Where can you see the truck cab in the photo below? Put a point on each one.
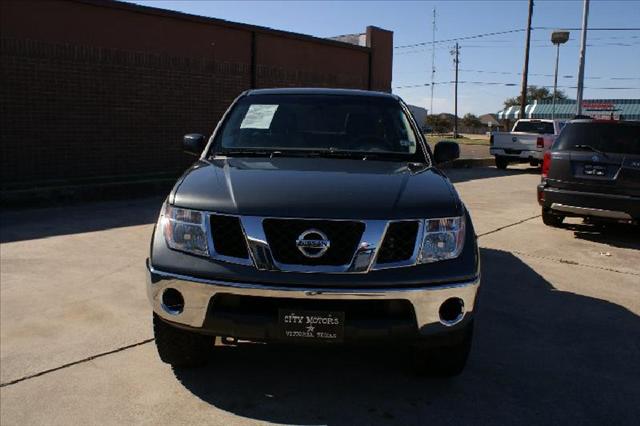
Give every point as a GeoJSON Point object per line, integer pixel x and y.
{"type": "Point", "coordinates": [527, 142]}
{"type": "Point", "coordinates": [315, 217]}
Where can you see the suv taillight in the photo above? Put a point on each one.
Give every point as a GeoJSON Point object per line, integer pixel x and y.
{"type": "Point", "coordinates": [540, 142]}
{"type": "Point", "coordinates": [546, 164]}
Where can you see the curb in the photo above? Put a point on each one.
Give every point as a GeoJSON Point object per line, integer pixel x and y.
{"type": "Point", "coordinates": [69, 194]}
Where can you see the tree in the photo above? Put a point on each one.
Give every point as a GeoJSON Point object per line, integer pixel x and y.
{"type": "Point", "coordinates": [439, 123]}
{"type": "Point", "coordinates": [535, 93]}
{"type": "Point", "coordinates": [470, 121]}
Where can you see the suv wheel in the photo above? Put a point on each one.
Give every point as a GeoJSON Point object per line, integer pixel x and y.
{"type": "Point", "coordinates": [501, 162]}
{"type": "Point", "coordinates": [551, 219]}
{"type": "Point", "coordinates": [443, 361]}
{"type": "Point", "coordinates": [181, 348]}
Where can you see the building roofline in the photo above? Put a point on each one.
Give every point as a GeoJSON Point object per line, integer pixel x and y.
{"type": "Point", "coordinates": [148, 10]}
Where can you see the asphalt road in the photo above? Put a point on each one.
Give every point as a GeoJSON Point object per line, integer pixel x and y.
{"type": "Point", "coordinates": [557, 337]}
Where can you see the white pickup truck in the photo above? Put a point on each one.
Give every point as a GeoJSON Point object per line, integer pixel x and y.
{"type": "Point", "coordinates": [526, 142]}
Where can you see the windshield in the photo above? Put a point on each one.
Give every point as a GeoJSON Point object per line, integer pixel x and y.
{"type": "Point", "coordinates": [540, 127]}
{"type": "Point", "coordinates": [335, 124]}
{"type": "Point", "coordinates": [619, 138]}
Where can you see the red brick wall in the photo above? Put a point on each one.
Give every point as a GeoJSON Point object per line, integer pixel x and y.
{"type": "Point", "coordinates": [93, 89]}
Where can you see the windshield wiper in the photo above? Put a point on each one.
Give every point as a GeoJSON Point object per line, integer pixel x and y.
{"type": "Point", "coordinates": [596, 150]}
{"type": "Point", "coordinates": [244, 153]}
{"type": "Point", "coordinates": [269, 153]}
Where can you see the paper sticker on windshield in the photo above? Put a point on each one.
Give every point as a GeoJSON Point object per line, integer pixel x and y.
{"type": "Point", "coordinates": [258, 116]}
{"type": "Point", "coordinates": [404, 142]}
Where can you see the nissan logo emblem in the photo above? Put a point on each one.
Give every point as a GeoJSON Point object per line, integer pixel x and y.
{"type": "Point", "coordinates": [313, 243]}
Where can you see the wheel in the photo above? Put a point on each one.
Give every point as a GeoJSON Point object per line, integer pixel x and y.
{"type": "Point", "coordinates": [181, 348]}
{"type": "Point", "coordinates": [501, 162]}
{"type": "Point", "coordinates": [534, 163]}
{"type": "Point", "coordinates": [551, 219]}
{"type": "Point", "coordinates": [443, 361]}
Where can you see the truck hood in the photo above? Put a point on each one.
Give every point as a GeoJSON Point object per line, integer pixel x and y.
{"type": "Point", "coordinates": [316, 188]}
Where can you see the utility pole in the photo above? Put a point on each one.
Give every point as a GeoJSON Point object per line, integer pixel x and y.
{"type": "Point", "coordinates": [456, 60]}
{"type": "Point", "coordinates": [583, 48]}
{"type": "Point", "coordinates": [557, 38]}
{"type": "Point", "coordinates": [525, 71]}
{"type": "Point", "coordinates": [433, 58]}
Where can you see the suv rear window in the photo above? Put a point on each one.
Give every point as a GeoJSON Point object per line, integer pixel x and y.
{"type": "Point", "coordinates": [540, 127]}
{"type": "Point", "coordinates": [619, 138]}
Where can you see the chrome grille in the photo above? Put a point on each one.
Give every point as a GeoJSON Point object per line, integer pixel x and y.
{"type": "Point", "coordinates": [399, 242]}
{"type": "Point", "coordinates": [343, 235]}
{"type": "Point", "coordinates": [228, 238]}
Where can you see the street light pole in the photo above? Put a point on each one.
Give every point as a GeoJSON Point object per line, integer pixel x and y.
{"type": "Point", "coordinates": [557, 38]}
{"type": "Point", "coordinates": [555, 83]}
{"type": "Point", "coordinates": [583, 47]}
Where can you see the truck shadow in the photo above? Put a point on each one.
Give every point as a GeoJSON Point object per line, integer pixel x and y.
{"type": "Point", "coordinates": [476, 173]}
{"type": "Point", "coordinates": [30, 224]}
{"type": "Point", "coordinates": [613, 234]}
{"type": "Point", "coordinates": [539, 356]}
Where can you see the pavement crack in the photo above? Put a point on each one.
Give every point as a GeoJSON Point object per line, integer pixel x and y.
{"type": "Point", "coordinates": [573, 262]}
{"type": "Point", "coordinates": [509, 225]}
{"type": "Point", "coordinates": [80, 361]}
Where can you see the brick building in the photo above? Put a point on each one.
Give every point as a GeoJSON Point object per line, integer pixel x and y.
{"type": "Point", "coordinates": [97, 91]}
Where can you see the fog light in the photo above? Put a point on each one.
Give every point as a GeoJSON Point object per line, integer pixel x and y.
{"type": "Point", "coordinates": [451, 311]}
{"type": "Point", "coordinates": [172, 301]}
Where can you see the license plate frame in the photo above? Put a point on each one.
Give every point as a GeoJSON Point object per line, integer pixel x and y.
{"type": "Point", "coordinates": [295, 325]}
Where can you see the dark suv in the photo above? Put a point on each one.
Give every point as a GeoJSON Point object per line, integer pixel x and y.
{"type": "Point", "coordinates": [315, 216]}
{"type": "Point", "coordinates": [592, 171]}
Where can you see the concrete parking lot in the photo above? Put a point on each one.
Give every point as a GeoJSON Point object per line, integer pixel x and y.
{"type": "Point", "coordinates": [557, 334]}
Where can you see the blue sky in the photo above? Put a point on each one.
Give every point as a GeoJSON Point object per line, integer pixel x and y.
{"type": "Point", "coordinates": [612, 60]}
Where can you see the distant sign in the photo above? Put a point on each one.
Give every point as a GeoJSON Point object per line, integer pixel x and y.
{"type": "Point", "coordinates": [599, 106]}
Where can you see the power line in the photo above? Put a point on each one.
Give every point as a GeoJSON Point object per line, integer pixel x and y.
{"type": "Point", "coordinates": [498, 83]}
{"type": "Point", "coordinates": [460, 38]}
{"type": "Point", "coordinates": [517, 30]}
{"type": "Point", "coordinates": [547, 75]}
{"type": "Point", "coordinates": [513, 45]}
{"type": "Point", "coordinates": [590, 29]}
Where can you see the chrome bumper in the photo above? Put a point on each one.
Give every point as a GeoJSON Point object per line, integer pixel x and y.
{"type": "Point", "coordinates": [525, 154]}
{"type": "Point", "coordinates": [587, 211]}
{"type": "Point", "coordinates": [197, 293]}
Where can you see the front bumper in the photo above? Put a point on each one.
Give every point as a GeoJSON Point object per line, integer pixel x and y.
{"type": "Point", "coordinates": [198, 293]}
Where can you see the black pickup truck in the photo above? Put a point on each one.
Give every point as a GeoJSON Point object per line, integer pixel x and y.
{"type": "Point", "coordinates": [315, 216]}
{"type": "Point", "coordinates": [592, 171]}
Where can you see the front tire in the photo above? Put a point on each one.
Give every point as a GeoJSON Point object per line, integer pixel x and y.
{"type": "Point", "coordinates": [443, 361]}
{"type": "Point", "coordinates": [181, 348]}
{"type": "Point", "coordinates": [551, 219]}
{"type": "Point", "coordinates": [501, 162]}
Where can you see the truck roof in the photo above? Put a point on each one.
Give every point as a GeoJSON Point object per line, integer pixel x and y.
{"type": "Point", "coordinates": [319, 91]}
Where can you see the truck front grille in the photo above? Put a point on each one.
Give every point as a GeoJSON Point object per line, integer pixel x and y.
{"type": "Point", "coordinates": [399, 242]}
{"type": "Point", "coordinates": [343, 235]}
{"type": "Point", "coordinates": [228, 238]}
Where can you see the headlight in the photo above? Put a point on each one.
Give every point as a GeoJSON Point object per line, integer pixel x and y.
{"type": "Point", "coordinates": [185, 230]}
{"type": "Point", "coordinates": [443, 239]}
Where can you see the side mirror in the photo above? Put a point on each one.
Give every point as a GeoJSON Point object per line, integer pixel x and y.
{"type": "Point", "coordinates": [194, 143]}
{"type": "Point", "coordinates": [446, 151]}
